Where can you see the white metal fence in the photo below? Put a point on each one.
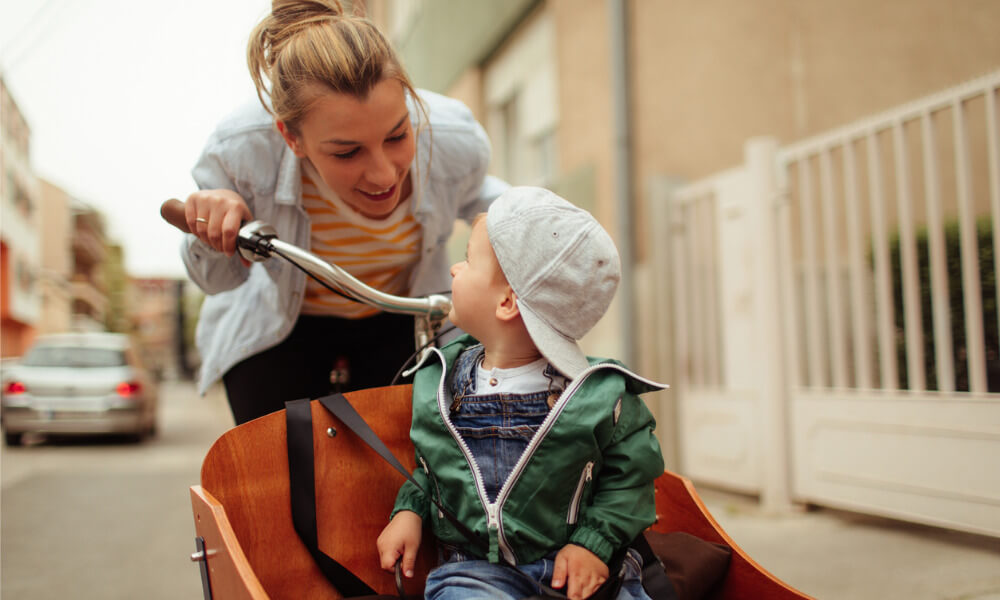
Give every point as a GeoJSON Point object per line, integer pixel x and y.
{"type": "Point", "coordinates": [901, 160]}
{"type": "Point", "coordinates": [835, 315]}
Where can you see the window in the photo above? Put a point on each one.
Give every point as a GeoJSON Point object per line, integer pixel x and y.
{"type": "Point", "coordinates": [73, 356]}
{"type": "Point", "coordinates": [522, 104]}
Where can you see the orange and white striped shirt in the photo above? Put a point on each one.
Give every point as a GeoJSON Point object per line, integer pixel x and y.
{"type": "Point", "coordinates": [381, 253]}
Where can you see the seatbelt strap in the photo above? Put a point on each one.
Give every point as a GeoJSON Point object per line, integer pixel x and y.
{"type": "Point", "coordinates": [302, 482]}
{"type": "Point", "coordinates": [338, 405]}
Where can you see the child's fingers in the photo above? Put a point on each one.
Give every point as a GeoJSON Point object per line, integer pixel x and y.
{"type": "Point", "coordinates": [583, 584]}
{"type": "Point", "coordinates": [559, 571]}
{"type": "Point", "coordinates": [387, 558]}
{"type": "Point", "coordinates": [409, 559]}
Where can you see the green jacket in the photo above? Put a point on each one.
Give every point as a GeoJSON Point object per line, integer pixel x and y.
{"type": "Point", "coordinates": [586, 478]}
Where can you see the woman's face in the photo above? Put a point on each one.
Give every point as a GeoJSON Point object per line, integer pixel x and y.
{"type": "Point", "coordinates": [362, 148]}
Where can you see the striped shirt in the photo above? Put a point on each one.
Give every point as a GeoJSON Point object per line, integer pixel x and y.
{"type": "Point", "coordinates": [379, 252]}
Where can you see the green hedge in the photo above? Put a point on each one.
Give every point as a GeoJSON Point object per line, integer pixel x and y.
{"type": "Point", "coordinates": [955, 293]}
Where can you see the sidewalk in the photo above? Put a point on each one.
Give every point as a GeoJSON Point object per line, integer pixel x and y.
{"type": "Point", "coordinates": [832, 554]}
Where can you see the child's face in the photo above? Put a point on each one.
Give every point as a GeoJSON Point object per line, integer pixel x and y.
{"type": "Point", "coordinates": [477, 284]}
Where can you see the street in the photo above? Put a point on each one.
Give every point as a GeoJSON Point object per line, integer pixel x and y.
{"type": "Point", "coordinates": [108, 519]}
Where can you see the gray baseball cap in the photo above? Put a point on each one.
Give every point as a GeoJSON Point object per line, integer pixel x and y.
{"type": "Point", "coordinates": [562, 265]}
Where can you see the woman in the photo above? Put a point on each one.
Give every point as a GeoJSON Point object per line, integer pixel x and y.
{"type": "Point", "coordinates": [338, 157]}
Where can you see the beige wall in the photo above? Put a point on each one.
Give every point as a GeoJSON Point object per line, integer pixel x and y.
{"type": "Point", "coordinates": [708, 75]}
{"type": "Point", "coordinates": [585, 109]}
{"type": "Point", "coordinates": [57, 228]}
{"type": "Point", "coordinates": [57, 259]}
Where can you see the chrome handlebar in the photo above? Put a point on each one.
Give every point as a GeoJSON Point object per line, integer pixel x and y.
{"type": "Point", "coordinates": [257, 241]}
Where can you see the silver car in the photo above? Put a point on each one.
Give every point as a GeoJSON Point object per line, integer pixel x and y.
{"type": "Point", "coordinates": [78, 383]}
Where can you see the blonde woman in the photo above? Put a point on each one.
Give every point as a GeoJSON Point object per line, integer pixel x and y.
{"type": "Point", "coordinates": [336, 153]}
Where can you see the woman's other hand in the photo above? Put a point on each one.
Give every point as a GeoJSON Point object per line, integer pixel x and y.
{"type": "Point", "coordinates": [400, 538]}
{"type": "Point", "coordinates": [215, 217]}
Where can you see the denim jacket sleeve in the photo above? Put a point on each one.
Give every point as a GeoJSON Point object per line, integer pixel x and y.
{"type": "Point", "coordinates": [623, 502]}
{"type": "Point", "coordinates": [243, 154]}
{"type": "Point", "coordinates": [212, 271]}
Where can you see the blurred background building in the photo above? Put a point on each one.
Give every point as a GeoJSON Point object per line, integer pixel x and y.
{"type": "Point", "coordinates": [806, 197]}
{"type": "Point", "coordinates": [60, 272]}
{"type": "Point", "coordinates": [20, 247]}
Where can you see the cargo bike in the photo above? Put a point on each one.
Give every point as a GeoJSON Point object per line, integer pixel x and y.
{"type": "Point", "coordinates": [251, 544]}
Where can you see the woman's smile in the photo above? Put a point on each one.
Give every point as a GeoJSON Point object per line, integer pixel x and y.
{"type": "Point", "coordinates": [379, 196]}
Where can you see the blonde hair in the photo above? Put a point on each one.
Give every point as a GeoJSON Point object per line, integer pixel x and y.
{"type": "Point", "coordinates": [304, 48]}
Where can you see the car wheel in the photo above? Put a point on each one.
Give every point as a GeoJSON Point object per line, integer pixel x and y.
{"type": "Point", "coordinates": [12, 439]}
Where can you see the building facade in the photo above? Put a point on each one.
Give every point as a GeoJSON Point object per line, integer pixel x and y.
{"type": "Point", "coordinates": [580, 95]}
{"type": "Point", "coordinates": [55, 292]}
{"type": "Point", "coordinates": [610, 102]}
{"type": "Point", "coordinates": [89, 282]}
{"type": "Point", "coordinates": [20, 248]}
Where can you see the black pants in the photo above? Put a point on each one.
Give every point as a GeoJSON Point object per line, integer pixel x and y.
{"type": "Point", "coordinates": [372, 350]}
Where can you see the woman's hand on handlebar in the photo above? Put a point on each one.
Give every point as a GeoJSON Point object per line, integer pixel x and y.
{"type": "Point", "coordinates": [215, 217]}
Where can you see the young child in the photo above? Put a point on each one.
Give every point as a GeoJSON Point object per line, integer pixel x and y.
{"type": "Point", "coordinates": [548, 457]}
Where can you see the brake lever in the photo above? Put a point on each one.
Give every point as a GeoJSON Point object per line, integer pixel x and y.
{"type": "Point", "coordinates": [254, 241]}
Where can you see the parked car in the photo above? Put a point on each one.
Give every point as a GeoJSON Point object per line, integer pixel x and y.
{"type": "Point", "coordinates": [78, 383]}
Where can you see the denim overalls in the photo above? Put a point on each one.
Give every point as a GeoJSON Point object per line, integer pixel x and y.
{"type": "Point", "coordinates": [497, 428]}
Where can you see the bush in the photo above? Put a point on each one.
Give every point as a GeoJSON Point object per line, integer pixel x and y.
{"type": "Point", "coordinates": [955, 295]}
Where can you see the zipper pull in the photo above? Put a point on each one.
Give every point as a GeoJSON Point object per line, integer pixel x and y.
{"type": "Point", "coordinates": [493, 531]}
{"type": "Point", "coordinates": [590, 471]}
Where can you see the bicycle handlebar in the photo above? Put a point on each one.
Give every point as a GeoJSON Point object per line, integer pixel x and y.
{"type": "Point", "coordinates": [257, 241]}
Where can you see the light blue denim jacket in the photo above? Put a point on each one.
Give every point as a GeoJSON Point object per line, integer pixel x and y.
{"type": "Point", "coordinates": [248, 310]}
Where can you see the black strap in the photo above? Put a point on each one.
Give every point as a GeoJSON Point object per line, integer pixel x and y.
{"type": "Point", "coordinates": [298, 419]}
{"type": "Point", "coordinates": [338, 405]}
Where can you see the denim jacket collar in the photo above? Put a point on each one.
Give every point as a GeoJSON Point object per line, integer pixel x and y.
{"type": "Point", "coordinates": [288, 187]}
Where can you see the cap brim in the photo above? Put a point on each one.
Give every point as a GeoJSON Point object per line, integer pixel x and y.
{"type": "Point", "coordinates": [562, 352]}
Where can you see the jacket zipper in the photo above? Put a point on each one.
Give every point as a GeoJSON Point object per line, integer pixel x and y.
{"type": "Point", "coordinates": [574, 506]}
{"type": "Point", "coordinates": [492, 509]}
{"type": "Point", "coordinates": [547, 425]}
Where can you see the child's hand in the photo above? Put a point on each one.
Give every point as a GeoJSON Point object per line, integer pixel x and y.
{"type": "Point", "coordinates": [586, 571]}
{"type": "Point", "coordinates": [401, 537]}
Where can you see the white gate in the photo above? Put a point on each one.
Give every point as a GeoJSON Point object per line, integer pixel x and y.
{"type": "Point", "coordinates": [835, 315]}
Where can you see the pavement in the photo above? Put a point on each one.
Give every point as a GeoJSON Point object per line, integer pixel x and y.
{"type": "Point", "coordinates": [835, 554]}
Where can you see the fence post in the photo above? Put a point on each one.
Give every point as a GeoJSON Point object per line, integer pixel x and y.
{"type": "Point", "coordinates": [775, 493]}
{"type": "Point", "coordinates": [660, 232]}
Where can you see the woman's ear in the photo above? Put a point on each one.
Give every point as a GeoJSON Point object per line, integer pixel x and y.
{"type": "Point", "coordinates": [507, 309]}
{"type": "Point", "coordinates": [291, 139]}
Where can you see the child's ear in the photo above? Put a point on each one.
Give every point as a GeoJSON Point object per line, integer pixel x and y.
{"type": "Point", "coordinates": [507, 309]}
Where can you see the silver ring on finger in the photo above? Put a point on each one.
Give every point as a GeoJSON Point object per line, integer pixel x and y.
{"type": "Point", "coordinates": [201, 220]}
